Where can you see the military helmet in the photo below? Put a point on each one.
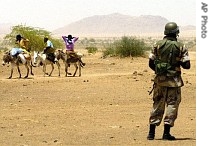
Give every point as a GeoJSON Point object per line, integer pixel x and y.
{"type": "Point", "coordinates": [171, 28]}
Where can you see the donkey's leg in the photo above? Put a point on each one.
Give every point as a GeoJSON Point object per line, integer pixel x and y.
{"type": "Point", "coordinates": [19, 71]}
{"type": "Point", "coordinates": [68, 65]}
{"type": "Point", "coordinates": [31, 70]}
{"type": "Point", "coordinates": [58, 65]}
{"type": "Point", "coordinates": [52, 68]}
{"type": "Point", "coordinates": [66, 68]}
{"type": "Point", "coordinates": [12, 67]}
{"type": "Point", "coordinates": [79, 65]}
{"type": "Point", "coordinates": [30, 66]}
{"type": "Point", "coordinates": [76, 68]}
{"type": "Point", "coordinates": [44, 69]}
{"type": "Point", "coordinates": [27, 68]}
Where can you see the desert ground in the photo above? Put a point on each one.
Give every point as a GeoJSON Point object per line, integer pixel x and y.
{"type": "Point", "coordinates": [108, 105]}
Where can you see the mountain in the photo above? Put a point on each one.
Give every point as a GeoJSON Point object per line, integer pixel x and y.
{"type": "Point", "coordinates": [114, 24]}
{"type": "Point", "coordinates": [5, 28]}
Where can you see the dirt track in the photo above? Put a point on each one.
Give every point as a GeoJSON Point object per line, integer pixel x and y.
{"type": "Point", "coordinates": [108, 105]}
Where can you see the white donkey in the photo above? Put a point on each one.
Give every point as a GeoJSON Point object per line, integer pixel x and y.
{"type": "Point", "coordinates": [41, 59]}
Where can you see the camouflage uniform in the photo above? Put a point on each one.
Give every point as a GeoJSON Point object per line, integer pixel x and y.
{"type": "Point", "coordinates": [167, 87]}
{"type": "Point", "coordinates": [166, 59]}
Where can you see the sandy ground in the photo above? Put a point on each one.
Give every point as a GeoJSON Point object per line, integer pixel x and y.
{"type": "Point", "coordinates": [108, 105]}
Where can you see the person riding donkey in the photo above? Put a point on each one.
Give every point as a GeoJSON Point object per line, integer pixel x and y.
{"type": "Point", "coordinates": [23, 51]}
{"type": "Point", "coordinates": [70, 43]}
{"type": "Point", "coordinates": [49, 50]}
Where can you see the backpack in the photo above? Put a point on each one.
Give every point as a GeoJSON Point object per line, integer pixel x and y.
{"type": "Point", "coordinates": [168, 55]}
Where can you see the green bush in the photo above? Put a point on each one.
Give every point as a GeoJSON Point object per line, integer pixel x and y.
{"type": "Point", "coordinates": [109, 51]}
{"type": "Point", "coordinates": [91, 49]}
{"type": "Point", "coordinates": [127, 47]}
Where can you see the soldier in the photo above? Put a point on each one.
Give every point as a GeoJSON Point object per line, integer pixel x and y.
{"type": "Point", "coordinates": [166, 59]}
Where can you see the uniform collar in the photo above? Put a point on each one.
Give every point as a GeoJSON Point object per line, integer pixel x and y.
{"type": "Point", "coordinates": [170, 38]}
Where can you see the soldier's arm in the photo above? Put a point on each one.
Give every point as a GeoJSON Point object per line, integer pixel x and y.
{"type": "Point", "coordinates": [152, 64]}
{"type": "Point", "coordinates": [152, 59]}
{"type": "Point", "coordinates": [185, 59]}
{"type": "Point", "coordinates": [185, 65]}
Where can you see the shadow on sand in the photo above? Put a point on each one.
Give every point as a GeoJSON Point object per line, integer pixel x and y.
{"type": "Point", "coordinates": [179, 139]}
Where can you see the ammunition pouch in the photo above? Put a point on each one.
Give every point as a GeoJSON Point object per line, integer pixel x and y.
{"type": "Point", "coordinates": [161, 68]}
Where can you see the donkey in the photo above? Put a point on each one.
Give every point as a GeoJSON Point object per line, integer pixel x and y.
{"type": "Point", "coordinates": [41, 59]}
{"type": "Point", "coordinates": [7, 58]}
{"type": "Point", "coordinates": [76, 61]}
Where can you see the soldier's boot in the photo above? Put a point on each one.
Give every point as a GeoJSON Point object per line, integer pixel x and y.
{"type": "Point", "coordinates": [166, 133]}
{"type": "Point", "coordinates": [151, 134]}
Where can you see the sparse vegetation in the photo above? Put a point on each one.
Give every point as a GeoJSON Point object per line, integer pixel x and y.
{"type": "Point", "coordinates": [92, 50]}
{"type": "Point", "coordinates": [3, 49]}
{"type": "Point", "coordinates": [190, 43]}
{"type": "Point", "coordinates": [127, 47]}
{"type": "Point", "coordinates": [109, 51]}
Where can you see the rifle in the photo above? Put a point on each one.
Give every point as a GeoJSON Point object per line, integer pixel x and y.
{"type": "Point", "coordinates": [153, 87]}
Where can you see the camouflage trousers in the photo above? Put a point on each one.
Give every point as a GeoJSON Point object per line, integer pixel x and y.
{"type": "Point", "coordinates": [166, 99]}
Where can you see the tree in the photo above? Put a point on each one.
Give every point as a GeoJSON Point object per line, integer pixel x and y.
{"type": "Point", "coordinates": [35, 36]}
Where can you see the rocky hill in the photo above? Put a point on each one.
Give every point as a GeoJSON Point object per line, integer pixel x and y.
{"type": "Point", "coordinates": [113, 25]}
{"type": "Point", "coordinates": [116, 25]}
{"type": "Point", "coordinates": [5, 28]}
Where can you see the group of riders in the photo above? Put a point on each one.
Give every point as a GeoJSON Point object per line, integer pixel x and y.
{"type": "Point", "coordinates": [22, 52]}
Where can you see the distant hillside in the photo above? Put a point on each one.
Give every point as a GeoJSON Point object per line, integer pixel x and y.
{"type": "Point", "coordinates": [115, 25]}
{"type": "Point", "coordinates": [5, 28]}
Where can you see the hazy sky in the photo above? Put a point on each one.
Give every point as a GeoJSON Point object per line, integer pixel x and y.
{"type": "Point", "coordinates": [52, 14]}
